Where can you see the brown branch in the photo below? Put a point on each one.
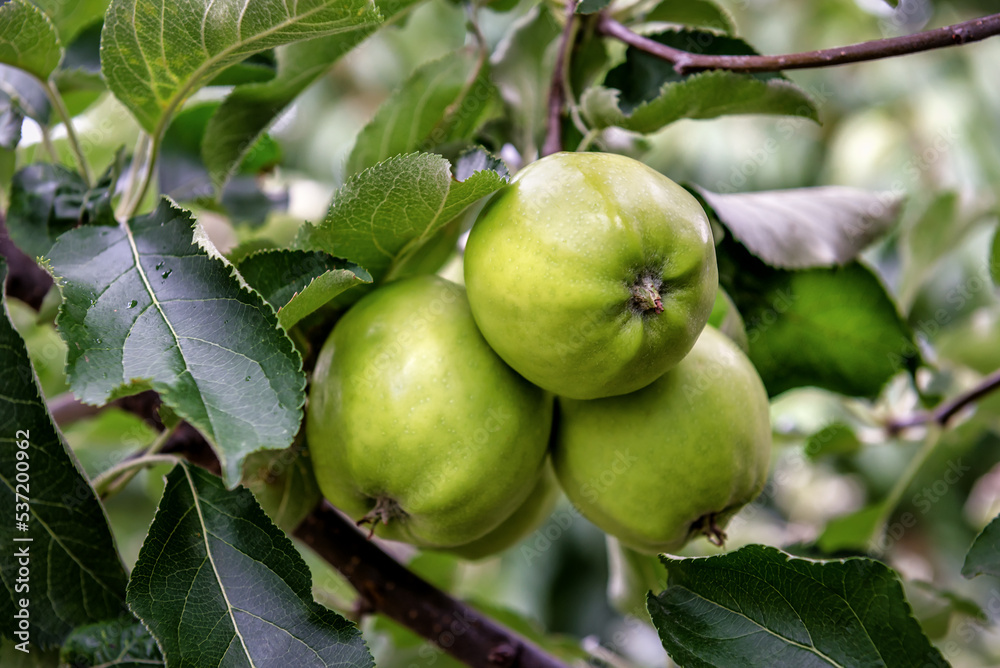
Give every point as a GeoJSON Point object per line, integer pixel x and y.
{"type": "Point", "coordinates": [557, 89]}
{"type": "Point", "coordinates": [686, 62]}
{"type": "Point", "coordinates": [388, 587]}
{"type": "Point", "coordinates": [944, 412]}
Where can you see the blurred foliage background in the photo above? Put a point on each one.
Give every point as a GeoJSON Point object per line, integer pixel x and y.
{"type": "Point", "coordinates": [926, 126]}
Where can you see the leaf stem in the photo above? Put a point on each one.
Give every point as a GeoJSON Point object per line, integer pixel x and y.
{"type": "Point", "coordinates": [685, 62]}
{"type": "Point", "coordinates": [557, 89]}
{"type": "Point", "coordinates": [117, 477]}
{"type": "Point", "coordinates": [931, 441]}
{"type": "Point", "coordinates": [140, 175]}
{"type": "Point", "coordinates": [74, 143]}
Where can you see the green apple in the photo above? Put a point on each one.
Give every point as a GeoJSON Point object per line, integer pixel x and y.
{"type": "Point", "coordinates": [283, 482]}
{"type": "Point", "coordinates": [527, 518]}
{"type": "Point", "coordinates": [591, 274]}
{"type": "Point", "coordinates": [415, 425]}
{"type": "Point", "coordinates": [673, 460]}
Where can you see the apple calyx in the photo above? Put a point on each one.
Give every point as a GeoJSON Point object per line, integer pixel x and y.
{"type": "Point", "coordinates": [385, 509]}
{"type": "Point", "coordinates": [708, 527]}
{"type": "Point", "coordinates": [646, 294]}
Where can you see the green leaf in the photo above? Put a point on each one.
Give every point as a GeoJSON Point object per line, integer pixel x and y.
{"type": "Point", "coordinates": [156, 53]}
{"type": "Point", "coordinates": [700, 96]}
{"type": "Point", "coordinates": [759, 606]}
{"type": "Point", "coordinates": [854, 532]}
{"type": "Point", "coordinates": [153, 304]}
{"type": "Point", "coordinates": [522, 66]}
{"type": "Point", "coordinates": [834, 328]}
{"type": "Point", "coordinates": [118, 643]}
{"type": "Point", "coordinates": [984, 555]}
{"type": "Point", "coordinates": [76, 576]}
{"type": "Point", "coordinates": [695, 13]}
{"type": "Point", "coordinates": [383, 213]}
{"type": "Point", "coordinates": [591, 6]}
{"type": "Point", "coordinates": [11, 120]}
{"type": "Point", "coordinates": [445, 100]}
{"type": "Point", "coordinates": [836, 438]}
{"type": "Point", "coordinates": [28, 40]}
{"type": "Point", "coordinates": [644, 93]}
{"type": "Point", "coordinates": [805, 227]}
{"type": "Point", "coordinates": [297, 283]}
{"type": "Point", "coordinates": [47, 200]}
{"type": "Point", "coordinates": [71, 17]}
{"type": "Point", "coordinates": [218, 584]}
{"type": "Point", "coordinates": [257, 68]}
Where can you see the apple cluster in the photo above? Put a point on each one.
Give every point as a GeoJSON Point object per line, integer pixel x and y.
{"type": "Point", "coordinates": [576, 357]}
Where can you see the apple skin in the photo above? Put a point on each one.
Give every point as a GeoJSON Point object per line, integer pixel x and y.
{"type": "Point", "coordinates": [416, 424]}
{"type": "Point", "coordinates": [553, 260]}
{"type": "Point", "coordinates": [678, 458]}
{"type": "Point", "coordinates": [527, 518]}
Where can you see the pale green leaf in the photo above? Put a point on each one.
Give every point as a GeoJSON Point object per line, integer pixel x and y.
{"type": "Point", "coordinates": [149, 305]}
{"type": "Point", "coordinates": [156, 53]}
{"type": "Point", "coordinates": [393, 208]}
{"type": "Point", "coordinates": [28, 40]}
{"type": "Point", "coordinates": [442, 101]}
{"type": "Point", "coordinates": [70, 17]}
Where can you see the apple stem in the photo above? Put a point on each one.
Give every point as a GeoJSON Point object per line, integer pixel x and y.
{"type": "Point", "coordinates": [708, 527]}
{"type": "Point", "coordinates": [385, 509]}
{"type": "Point", "coordinates": [646, 294]}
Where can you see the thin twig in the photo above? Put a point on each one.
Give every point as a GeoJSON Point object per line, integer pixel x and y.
{"type": "Point", "coordinates": [57, 102]}
{"type": "Point", "coordinates": [117, 477]}
{"type": "Point", "coordinates": [386, 586]}
{"type": "Point", "coordinates": [557, 89]}
{"type": "Point", "coordinates": [686, 62]}
{"type": "Point", "coordinates": [945, 411]}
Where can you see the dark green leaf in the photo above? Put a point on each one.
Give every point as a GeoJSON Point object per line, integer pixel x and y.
{"type": "Point", "coordinates": [984, 555]}
{"type": "Point", "coordinates": [218, 584]}
{"type": "Point", "coordinates": [47, 200]}
{"type": "Point", "coordinates": [385, 212]}
{"type": "Point", "coordinates": [591, 6]}
{"type": "Point", "coordinates": [445, 100]}
{"type": "Point", "coordinates": [805, 227]}
{"type": "Point", "coordinates": [834, 328]}
{"type": "Point", "coordinates": [71, 17]}
{"type": "Point", "coordinates": [10, 126]}
{"type": "Point", "coordinates": [28, 40]}
{"type": "Point", "coordinates": [153, 303]}
{"type": "Point", "coordinates": [758, 606]}
{"type": "Point", "coordinates": [25, 93]}
{"type": "Point", "coordinates": [75, 574]}
{"type": "Point", "coordinates": [119, 643]}
{"type": "Point", "coordinates": [644, 93]}
{"type": "Point", "coordinates": [696, 13]}
{"type": "Point", "coordinates": [522, 66]}
{"type": "Point", "coordinates": [156, 53]}
{"type": "Point", "coordinates": [297, 283]}
{"type": "Point", "coordinates": [255, 69]}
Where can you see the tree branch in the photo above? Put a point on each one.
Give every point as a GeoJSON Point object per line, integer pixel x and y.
{"type": "Point", "coordinates": [386, 586]}
{"type": "Point", "coordinates": [557, 89]}
{"type": "Point", "coordinates": [944, 412]}
{"type": "Point", "coordinates": [686, 62]}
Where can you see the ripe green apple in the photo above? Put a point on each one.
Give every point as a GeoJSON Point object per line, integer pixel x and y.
{"type": "Point", "coordinates": [673, 460]}
{"type": "Point", "coordinates": [591, 274]}
{"type": "Point", "coordinates": [527, 518]}
{"type": "Point", "coordinates": [283, 483]}
{"type": "Point", "coordinates": [415, 425]}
